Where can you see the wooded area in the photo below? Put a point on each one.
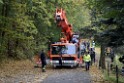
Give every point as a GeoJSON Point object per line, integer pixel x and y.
{"type": "Point", "coordinates": [107, 18]}
{"type": "Point", "coordinates": [27, 26]}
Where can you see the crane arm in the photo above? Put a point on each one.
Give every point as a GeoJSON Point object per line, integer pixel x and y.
{"type": "Point", "coordinates": [62, 22]}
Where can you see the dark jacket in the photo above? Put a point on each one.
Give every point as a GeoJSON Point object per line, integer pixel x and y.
{"type": "Point", "coordinates": [92, 54]}
{"type": "Point", "coordinates": [43, 58]}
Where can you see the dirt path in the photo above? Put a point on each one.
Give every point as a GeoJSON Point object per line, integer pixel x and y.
{"type": "Point", "coordinates": [24, 72]}
{"type": "Point", "coordinates": [21, 72]}
{"type": "Point", "coordinates": [69, 75]}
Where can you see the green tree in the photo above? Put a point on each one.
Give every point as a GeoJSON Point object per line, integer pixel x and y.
{"type": "Point", "coordinates": [27, 26]}
{"type": "Point", "coordinates": [107, 18]}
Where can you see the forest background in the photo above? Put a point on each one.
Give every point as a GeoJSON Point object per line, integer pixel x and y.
{"type": "Point", "coordinates": [27, 26]}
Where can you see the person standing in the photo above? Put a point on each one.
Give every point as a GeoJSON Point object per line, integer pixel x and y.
{"type": "Point", "coordinates": [88, 45]}
{"type": "Point", "coordinates": [87, 60]}
{"type": "Point", "coordinates": [43, 60]}
{"type": "Point", "coordinates": [112, 55]}
{"type": "Point", "coordinates": [92, 55]}
{"type": "Point", "coordinates": [83, 49]}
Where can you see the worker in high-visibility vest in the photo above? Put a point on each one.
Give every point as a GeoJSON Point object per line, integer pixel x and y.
{"type": "Point", "coordinates": [87, 60]}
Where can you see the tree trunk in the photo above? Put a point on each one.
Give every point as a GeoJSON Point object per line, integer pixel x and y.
{"type": "Point", "coordinates": [9, 49]}
{"type": "Point", "coordinates": [3, 24]}
{"type": "Point", "coordinates": [5, 14]}
{"type": "Point", "coordinates": [102, 57]}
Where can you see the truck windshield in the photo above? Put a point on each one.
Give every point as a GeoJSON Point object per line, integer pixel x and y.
{"type": "Point", "coordinates": [69, 49]}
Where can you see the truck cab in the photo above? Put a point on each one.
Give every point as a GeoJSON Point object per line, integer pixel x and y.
{"type": "Point", "coordinates": [64, 54]}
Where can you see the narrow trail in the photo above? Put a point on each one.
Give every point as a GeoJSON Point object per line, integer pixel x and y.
{"type": "Point", "coordinates": [24, 72]}
{"type": "Point", "coordinates": [77, 75]}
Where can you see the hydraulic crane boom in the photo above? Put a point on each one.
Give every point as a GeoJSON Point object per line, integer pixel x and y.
{"type": "Point", "coordinates": [60, 17]}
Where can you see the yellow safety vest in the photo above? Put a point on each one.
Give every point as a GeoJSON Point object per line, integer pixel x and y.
{"type": "Point", "coordinates": [87, 58]}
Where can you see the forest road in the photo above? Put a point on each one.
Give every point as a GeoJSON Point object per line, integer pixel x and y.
{"type": "Point", "coordinates": [69, 75]}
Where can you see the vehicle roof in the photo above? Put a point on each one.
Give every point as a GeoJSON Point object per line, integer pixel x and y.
{"type": "Point", "coordinates": [62, 44]}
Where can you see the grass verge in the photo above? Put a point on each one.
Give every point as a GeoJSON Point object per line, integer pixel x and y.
{"type": "Point", "coordinates": [111, 78]}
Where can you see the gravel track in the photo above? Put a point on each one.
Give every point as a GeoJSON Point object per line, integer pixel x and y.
{"type": "Point", "coordinates": [24, 72]}
{"type": "Point", "coordinates": [77, 75]}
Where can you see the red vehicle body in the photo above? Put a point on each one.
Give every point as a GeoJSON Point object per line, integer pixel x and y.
{"type": "Point", "coordinates": [66, 52]}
